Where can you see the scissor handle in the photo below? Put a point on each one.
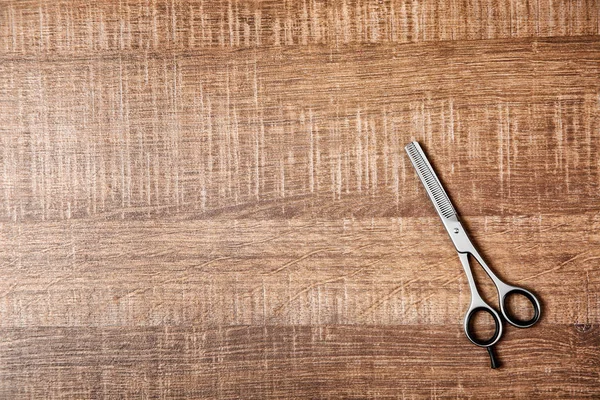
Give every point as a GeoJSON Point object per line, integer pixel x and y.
{"type": "Point", "coordinates": [504, 292]}
{"type": "Point", "coordinates": [476, 307]}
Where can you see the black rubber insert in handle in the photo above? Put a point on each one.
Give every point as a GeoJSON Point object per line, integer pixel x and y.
{"type": "Point", "coordinates": [516, 321]}
{"type": "Point", "coordinates": [471, 336]}
{"type": "Point", "coordinates": [493, 360]}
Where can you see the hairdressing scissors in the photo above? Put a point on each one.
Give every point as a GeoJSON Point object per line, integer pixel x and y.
{"type": "Point", "coordinates": [464, 247]}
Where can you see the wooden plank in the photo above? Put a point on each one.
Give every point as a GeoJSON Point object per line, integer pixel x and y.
{"type": "Point", "coordinates": [77, 26]}
{"type": "Point", "coordinates": [286, 272]}
{"type": "Point", "coordinates": [511, 124]}
{"type": "Point", "coordinates": [296, 362]}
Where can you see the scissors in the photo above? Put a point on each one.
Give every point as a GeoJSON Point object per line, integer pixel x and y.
{"type": "Point", "coordinates": [464, 247]}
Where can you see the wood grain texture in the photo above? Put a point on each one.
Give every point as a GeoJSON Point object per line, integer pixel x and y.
{"type": "Point", "coordinates": [285, 272]}
{"type": "Point", "coordinates": [211, 199]}
{"type": "Point", "coordinates": [295, 362]}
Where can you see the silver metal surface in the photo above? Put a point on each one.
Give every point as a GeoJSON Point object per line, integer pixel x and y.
{"type": "Point", "coordinates": [432, 184]}
{"type": "Point", "coordinates": [439, 198]}
{"type": "Point", "coordinates": [465, 247]}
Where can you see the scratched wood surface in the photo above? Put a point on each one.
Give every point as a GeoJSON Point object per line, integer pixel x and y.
{"type": "Point", "coordinates": [207, 199]}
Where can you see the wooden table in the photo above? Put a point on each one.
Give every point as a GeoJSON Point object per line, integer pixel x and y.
{"type": "Point", "coordinates": [211, 199]}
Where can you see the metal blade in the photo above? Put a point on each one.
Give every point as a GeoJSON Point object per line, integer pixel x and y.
{"type": "Point", "coordinates": [434, 188]}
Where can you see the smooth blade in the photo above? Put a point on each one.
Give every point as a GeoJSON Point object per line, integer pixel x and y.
{"type": "Point", "coordinates": [434, 188]}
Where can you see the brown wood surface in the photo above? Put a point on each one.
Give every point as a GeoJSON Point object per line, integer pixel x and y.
{"type": "Point", "coordinates": [210, 199]}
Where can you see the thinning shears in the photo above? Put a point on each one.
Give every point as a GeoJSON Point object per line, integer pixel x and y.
{"type": "Point", "coordinates": [464, 247]}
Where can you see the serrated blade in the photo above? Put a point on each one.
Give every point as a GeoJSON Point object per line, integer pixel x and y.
{"type": "Point", "coordinates": [432, 184]}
